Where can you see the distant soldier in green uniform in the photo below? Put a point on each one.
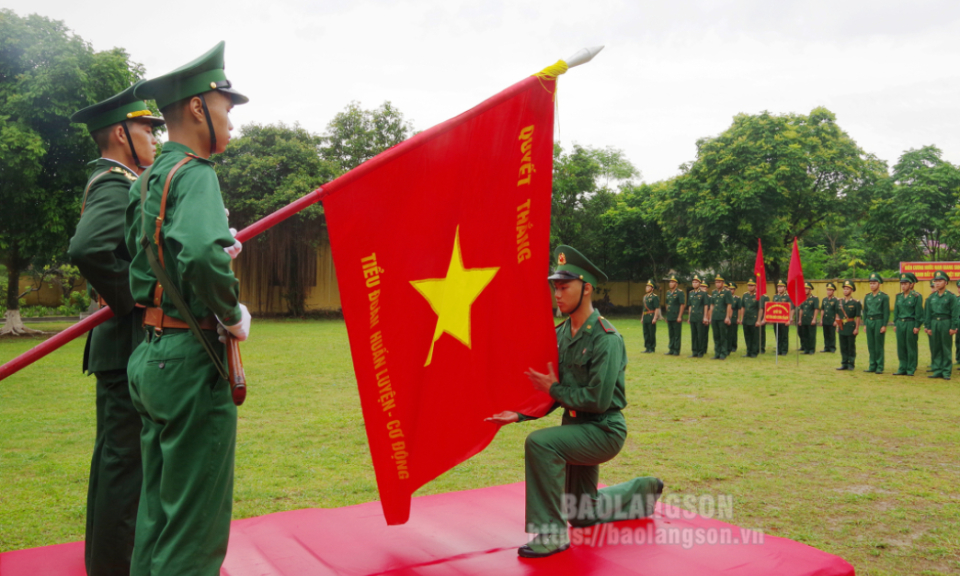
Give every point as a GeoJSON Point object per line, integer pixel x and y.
{"type": "Point", "coordinates": [176, 227]}
{"type": "Point", "coordinates": [721, 311]}
{"type": "Point", "coordinates": [734, 327]}
{"type": "Point", "coordinates": [829, 310]}
{"type": "Point", "coordinates": [706, 318]}
{"type": "Point", "coordinates": [675, 301]}
{"type": "Point", "coordinates": [807, 314]}
{"type": "Point", "coordinates": [958, 332]}
{"type": "Point", "coordinates": [750, 317]}
{"type": "Point", "coordinates": [933, 289]}
{"type": "Point", "coordinates": [763, 322]}
{"type": "Point", "coordinates": [563, 462]}
{"type": "Point", "coordinates": [783, 330]}
{"type": "Point", "coordinates": [122, 128]}
{"type": "Point", "coordinates": [651, 315]}
{"type": "Point", "coordinates": [942, 322]}
{"type": "Point", "coordinates": [848, 326]}
{"type": "Point", "coordinates": [907, 319]}
{"type": "Point", "coordinates": [876, 315]}
{"type": "Point", "coordinates": [698, 306]}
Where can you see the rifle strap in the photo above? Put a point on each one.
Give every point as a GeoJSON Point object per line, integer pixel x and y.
{"type": "Point", "coordinates": [155, 258]}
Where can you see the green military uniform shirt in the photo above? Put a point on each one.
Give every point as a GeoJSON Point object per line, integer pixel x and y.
{"type": "Point", "coordinates": [877, 307]}
{"type": "Point", "coordinates": [650, 304]}
{"type": "Point", "coordinates": [830, 308]}
{"type": "Point", "coordinates": [674, 300]}
{"type": "Point", "coordinates": [849, 310]}
{"type": "Point", "coordinates": [781, 298]}
{"type": "Point", "coordinates": [807, 308]}
{"type": "Point", "coordinates": [942, 307]}
{"type": "Point", "coordinates": [909, 307]}
{"type": "Point", "coordinates": [751, 309]}
{"type": "Point", "coordinates": [697, 303]}
{"type": "Point", "coordinates": [719, 300]}
{"type": "Point", "coordinates": [193, 238]}
{"type": "Point", "coordinates": [735, 302]}
{"type": "Point", "coordinates": [99, 252]}
{"type": "Point", "coordinates": [591, 369]}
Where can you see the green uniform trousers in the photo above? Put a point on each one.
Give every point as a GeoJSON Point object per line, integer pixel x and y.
{"type": "Point", "coordinates": [808, 337]}
{"type": "Point", "coordinates": [763, 339]}
{"type": "Point", "coordinates": [116, 474]}
{"type": "Point", "coordinates": [562, 470]}
{"type": "Point", "coordinates": [704, 337]}
{"type": "Point", "coordinates": [733, 338]}
{"type": "Point", "coordinates": [720, 349]}
{"type": "Point", "coordinates": [829, 338]}
{"type": "Point", "coordinates": [675, 330]}
{"type": "Point", "coordinates": [698, 337]}
{"type": "Point", "coordinates": [783, 338]}
{"type": "Point", "coordinates": [188, 441]}
{"type": "Point", "coordinates": [907, 346]}
{"type": "Point", "coordinates": [958, 347]}
{"type": "Point", "coordinates": [649, 335]}
{"type": "Point", "coordinates": [875, 343]}
{"type": "Point", "coordinates": [848, 350]}
{"type": "Point", "coordinates": [941, 348]}
{"type": "Point", "coordinates": [751, 339]}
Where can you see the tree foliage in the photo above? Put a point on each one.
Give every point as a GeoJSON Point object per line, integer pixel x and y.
{"type": "Point", "coordinates": [357, 135]}
{"type": "Point", "coordinates": [46, 74]}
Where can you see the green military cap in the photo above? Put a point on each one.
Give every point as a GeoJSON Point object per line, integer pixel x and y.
{"type": "Point", "coordinates": [732, 285]}
{"type": "Point", "coordinates": [697, 278]}
{"type": "Point", "coordinates": [751, 282]}
{"type": "Point", "coordinates": [913, 277]}
{"type": "Point", "coordinates": [572, 265]}
{"type": "Point", "coordinates": [673, 278]}
{"type": "Point", "coordinates": [831, 286]}
{"type": "Point", "coordinates": [941, 275]}
{"type": "Point", "coordinates": [958, 283]}
{"type": "Point", "coordinates": [874, 277]}
{"type": "Point", "coordinates": [905, 277]}
{"type": "Point", "coordinates": [781, 283]}
{"type": "Point", "coordinates": [808, 285]}
{"type": "Point", "coordinates": [851, 284]}
{"type": "Point", "coordinates": [116, 109]}
{"type": "Point", "coordinates": [651, 284]}
{"type": "Point", "coordinates": [719, 277]}
{"type": "Point", "coordinates": [202, 75]}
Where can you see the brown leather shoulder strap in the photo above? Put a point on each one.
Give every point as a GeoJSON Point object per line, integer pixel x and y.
{"type": "Point", "coordinates": [158, 290]}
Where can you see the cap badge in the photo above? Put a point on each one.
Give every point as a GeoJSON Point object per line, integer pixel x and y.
{"type": "Point", "coordinates": [561, 259]}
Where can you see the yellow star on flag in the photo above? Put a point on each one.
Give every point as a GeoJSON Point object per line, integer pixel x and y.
{"type": "Point", "coordinates": [452, 297]}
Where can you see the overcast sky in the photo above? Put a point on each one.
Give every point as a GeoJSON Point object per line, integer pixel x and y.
{"type": "Point", "coordinates": [672, 71]}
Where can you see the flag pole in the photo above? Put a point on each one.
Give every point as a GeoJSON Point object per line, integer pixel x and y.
{"type": "Point", "coordinates": [581, 57]}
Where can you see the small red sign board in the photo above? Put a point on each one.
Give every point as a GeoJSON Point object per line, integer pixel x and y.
{"type": "Point", "coordinates": [925, 270]}
{"type": "Point", "coordinates": [777, 312]}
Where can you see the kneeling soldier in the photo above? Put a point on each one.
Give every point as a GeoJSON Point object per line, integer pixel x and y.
{"type": "Point", "coordinates": [848, 325]}
{"type": "Point", "coordinates": [876, 315]}
{"type": "Point", "coordinates": [563, 462]}
{"type": "Point", "coordinates": [908, 319]}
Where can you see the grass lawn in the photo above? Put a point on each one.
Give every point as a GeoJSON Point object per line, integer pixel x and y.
{"type": "Point", "coordinates": [859, 465]}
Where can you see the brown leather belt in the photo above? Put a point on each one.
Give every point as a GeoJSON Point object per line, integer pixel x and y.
{"type": "Point", "coordinates": [156, 318]}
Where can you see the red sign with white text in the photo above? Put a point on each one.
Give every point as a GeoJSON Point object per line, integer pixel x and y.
{"type": "Point", "coordinates": [777, 312]}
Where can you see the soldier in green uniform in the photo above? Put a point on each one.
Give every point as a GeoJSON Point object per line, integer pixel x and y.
{"type": "Point", "coordinates": [942, 322]}
{"type": "Point", "coordinates": [733, 328]}
{"type": "Point", "coordinates": [122, 128]}
{"type": "Point", "coordinates": [751, 315]}
{"type": "Point", "coordinates": [706, 317]}
{"type": "Point", "coordinates": [807, 314]}
{"type": "Point", "coordinates": [721, 311]}
{"type": "Point", "coordinates": [676, 301]}
{"type": "Point", "coordinates": [907, 319]}
{"type": "Point", "coordinates": [180, 230]}
{"type": "Point", "coordinates": [829, 310]}
{"type": "Point", "coordinates": [651, 315]}
{"type": "Point", "coordinates": [763, 321]}
{"type": "Point", "coordinates": [563, 462]}
{"type": "Point", "coordinates": [848, 326]}
{"type": "Point", "coordinates": [958, 332]}
{"type": "Point", "coordinates": [783, 330]}
{"type": "Point", "coordinates": [698, 306]}
{"type": "Point", "coordinates": [876, 315]}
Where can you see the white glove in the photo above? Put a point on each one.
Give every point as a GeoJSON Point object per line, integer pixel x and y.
{"type": "Point", "coordinates": [234, 250]}
{"type": "Point", "coordinates": [240, 330]}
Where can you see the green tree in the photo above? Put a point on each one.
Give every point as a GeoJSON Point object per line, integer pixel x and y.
{"type": "Point", "coordinates": [769, 177]}
{"type": "Point", "coordinates": [633, 242]}
{"type": "Point", "coordinates": [918, 214]}
{"type": "Point", "coordinates": [46, 74]}
{"type": "Point", "coordinates": [357, 135]}
{"type": "Point", "coordinates": [266, 168]}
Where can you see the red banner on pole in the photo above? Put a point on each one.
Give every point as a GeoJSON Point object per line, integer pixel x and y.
{"type": "Point", "coordinates": [760, 271]}
{"type": "Point", "coordinates": [441, 246]}
{"type": "Point", "coordinates": [795, 277]}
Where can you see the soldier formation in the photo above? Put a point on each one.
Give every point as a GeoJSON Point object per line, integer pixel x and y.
{"type": "Point", "coordinates": [723, 312]}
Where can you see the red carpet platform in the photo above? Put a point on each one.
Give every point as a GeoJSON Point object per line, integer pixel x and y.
{"type": "Point", "coordinates": [475, 532]}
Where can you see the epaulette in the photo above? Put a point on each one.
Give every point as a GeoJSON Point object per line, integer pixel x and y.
{"type": "Point", "coordinates": [128, 175]}
{"type": "Point", "coordinates": [606, 325]}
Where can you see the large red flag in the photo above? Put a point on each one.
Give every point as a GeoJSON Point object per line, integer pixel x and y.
{"type": "Point", "coordinates": [795, 277]}
{"type": "Point", "coordinates": [760, 271]}
{"type": "Point", "coordinates": [441, 246]}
